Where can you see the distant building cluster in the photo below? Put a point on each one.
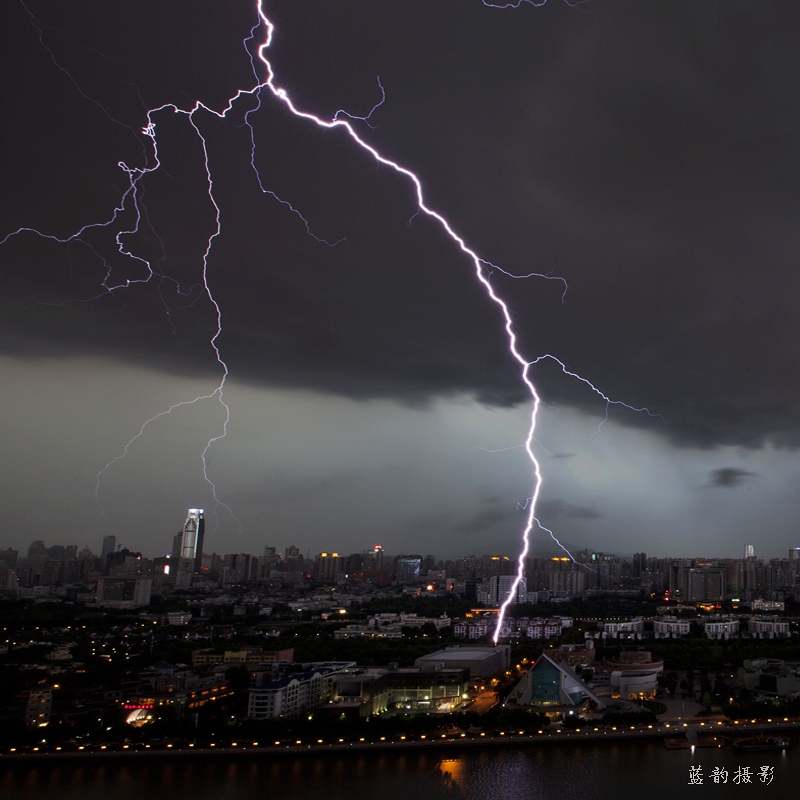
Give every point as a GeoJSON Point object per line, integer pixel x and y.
{"type": "Point", "coordinates": [122, 578]}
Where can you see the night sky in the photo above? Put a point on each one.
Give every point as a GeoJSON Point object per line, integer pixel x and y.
{"type": "Point", "coordinates": [646, 153]}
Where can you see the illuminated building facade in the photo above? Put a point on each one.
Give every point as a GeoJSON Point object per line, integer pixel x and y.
{"type": "Point", "coordinates": [192, 539]}
{"type": "Point", "coordinates": [408, 568]}
{"type": "Point", "coordinates": [552, 687]}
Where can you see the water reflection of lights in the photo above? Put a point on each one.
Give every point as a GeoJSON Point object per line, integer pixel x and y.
{"type": "Point", "coordinates": [452, 769]}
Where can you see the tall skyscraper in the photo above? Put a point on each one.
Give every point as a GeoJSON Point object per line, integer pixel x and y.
{"type": "Point", "coordinates": [373, 559]}
{"type": "Point", "coordinates": [749, 551]}
{"type": "Point", "coordinates": [639, 565]}
{"type": "Point", "coordinates": [109, 546]}
{"type": "Point", "coordinates": [292, 551]}
{"type": "Point", "coordinates": [192, 540]}
{"type": "Point", "coordinates": [37, 548]}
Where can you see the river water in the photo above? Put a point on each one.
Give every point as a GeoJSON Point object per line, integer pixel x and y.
{"type": "Point", "coordinates": [607, 770]}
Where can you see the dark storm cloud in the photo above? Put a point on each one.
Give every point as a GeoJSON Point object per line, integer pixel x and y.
{"type": "Point", "coordinates": [483, 520]}
{"type": "Point", "coordinates": [490, 514]}
{"type": "Point", "coordinates": [560, 509]}
{"type": "Point", "coordinates": [646, 152]}
{"type": "Point", "coordinates": [729, 477]}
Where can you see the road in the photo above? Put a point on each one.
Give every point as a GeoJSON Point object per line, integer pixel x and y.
{"type": "Point", "coordinates": [483, 702]}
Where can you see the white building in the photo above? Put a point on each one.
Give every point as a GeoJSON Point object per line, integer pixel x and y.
{"type": "Point", "coordinates": [192, 539]}
{"type": "Point", "coordinates": [759, 604]}
{"type": "Point", "coordinates": [616, 630]}
{"type": "Point", "coordinates": [293, 694]}
{"type": "Point", "coordinates": [670, 627]}
{"type": "Point", "coordinates": [768, 627]}
{"type": "Point", "coordinates": [500, 589]}
{"type": "Point", "coordinates": [633, 676]}
{"type": "Point", "coordinates": [408, 620]}
{"type": "Point", "coordinates": [473, 630]}
{"type": "Point", "coordinates": [533, 628]}
{"type": "Point", "coordinates": [539, 628]}
{"type": "Point", "coordinates": [722, 629]}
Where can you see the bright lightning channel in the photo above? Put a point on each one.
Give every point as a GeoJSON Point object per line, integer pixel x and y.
{"type": "Point", "coordinates": [130, 200]}
{"type": "Point", "coordinates": [482, 275]}
{"type": "Point", "coordinates": [536, 3]}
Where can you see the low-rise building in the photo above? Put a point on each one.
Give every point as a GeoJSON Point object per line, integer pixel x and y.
{"type": "Point", "coordinates": [671, 627]}
{"type": "Point", "coordinates": [482, 662]}
{"type": "Point", "coordinates": [389, 626]}
{"type": "Point", "coordinates": [532, 627]}
{"type": "Point", "coordinates": [251, 656]}
{"type": "Point", "coordinates": [768, 627]}
{"type": "Point", "coordinates": [721, 628]}
{"type": "Point", "coordinates": [623, 630]}
{"type": "Point", "coordinates": [771, 677]}
{"type": "Point", "coordinates": [633, 676]}
{"type": "Point", "coordinates": [575, 655]}
{"type": "Point", "coordinates": [373, 690]}
{"type": "Point", "coordinates": [760, 604]}
{"type": "Point", "coordinates": [355, 631]}
{"type": "Point", "coordinates": [473, 630]}
{"type": "Point", "coordinates": [164, 689]}
{"type": "Point", "coordinates": [539, 628]}
{"type": "Point", "coordinates": [292, 694]}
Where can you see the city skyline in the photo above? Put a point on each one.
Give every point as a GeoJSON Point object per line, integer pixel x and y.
{"type": "Point", "coordinates": [124, 576]}
{"type": "Point", "coordinates": [376, 553]}
{"type": "Point", "coordinates": [646, 155]}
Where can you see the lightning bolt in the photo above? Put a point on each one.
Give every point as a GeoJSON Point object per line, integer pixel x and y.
{"type": "Point", "coordinates": [265, 81]}
{"type": "Point", "coordinates": [135, 175]}
{"type": "Point", "coordinates": [536, 3]}
{"type": "Point", "coordinates": [482, 270]}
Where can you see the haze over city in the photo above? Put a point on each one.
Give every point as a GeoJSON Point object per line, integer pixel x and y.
{"type": "Point", "coordinates": [645, 153]}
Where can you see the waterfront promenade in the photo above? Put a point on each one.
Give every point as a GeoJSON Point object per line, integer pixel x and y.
{"type": "Point", "coordinates": [677, 726]}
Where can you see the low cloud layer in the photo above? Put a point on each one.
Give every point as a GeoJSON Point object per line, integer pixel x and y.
{"type": "Point", "coordinates": [729, 477]}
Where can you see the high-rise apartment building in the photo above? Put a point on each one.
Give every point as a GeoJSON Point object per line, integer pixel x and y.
{"type": "Point", "coordinates": [408, 568]}
{"type": "Point", "coordinates": [124, 592]}
{"type": "Point", "coordinates": [329, 567]}
{"type": "Point", "coordinates": [37, 549]}
{"type": "Point", "coordinates": [500, 590]}
{"type": "Point", "coordinates": [373, 558]}
{"type": "Point", "coordinates": [639, 566]}
{"type": "Point", "coordinates": [292, 551]}
{"type": "Point", "coordinates": [703, 581]}
{"type": "Point", "coordinates": [109, 546]}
